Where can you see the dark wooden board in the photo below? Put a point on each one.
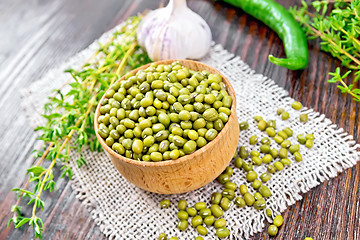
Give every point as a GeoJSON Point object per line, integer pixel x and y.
{"type": "Point", "coordinates": [37, 35]}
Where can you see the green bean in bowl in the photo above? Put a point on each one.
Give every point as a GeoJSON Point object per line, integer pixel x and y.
{"type": "Point", "coordinates": [163, 112]}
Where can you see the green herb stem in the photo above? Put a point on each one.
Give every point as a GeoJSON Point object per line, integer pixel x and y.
{"type": "Point", "coordinates": [355, 96]}
{"type": "Point", "coordinates": [322, 36]}
{"type": "Point", "coordinates": [67, 139]}
{"type": "Point", "coordinates": [130, 51]}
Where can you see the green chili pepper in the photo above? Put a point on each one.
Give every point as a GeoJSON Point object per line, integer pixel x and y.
{"type": "Point", "coordinates": [283, 23]}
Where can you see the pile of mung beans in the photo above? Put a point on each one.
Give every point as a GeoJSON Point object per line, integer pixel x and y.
{"type": "Point", "coordinates": [275, 160]}
{"type": "Point", "coordinates": [163, 112]}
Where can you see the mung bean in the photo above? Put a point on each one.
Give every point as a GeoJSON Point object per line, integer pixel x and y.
{"type": "Point", "coordinates": [220, 223]}
{"type": "Point", "coordinates": [278, 220]}
{"type": "Point", "coordinates": [240, 202]}
{"type": "Point", "coordinates": [165, 203]}
{"type": "Point", "coordinates": [222, 232]}
{"type": "Point", "coordinates": [296, 105]}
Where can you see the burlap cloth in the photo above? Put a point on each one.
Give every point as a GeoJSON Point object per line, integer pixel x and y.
{"type": "Point", "coordinates": [123, 211]}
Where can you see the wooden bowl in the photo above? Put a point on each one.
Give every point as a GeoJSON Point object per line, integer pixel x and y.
{"type": "Point", "coordinates": [191, 171]}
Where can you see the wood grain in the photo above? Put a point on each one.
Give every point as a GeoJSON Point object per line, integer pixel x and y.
{"type": "Point", "coordinates": [191, 171]}
{"type": "Point", "coordinates": [37, 35]}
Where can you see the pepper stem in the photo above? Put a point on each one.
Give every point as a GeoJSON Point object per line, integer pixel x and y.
{"type": "Point", "coordinates": [294, 63]}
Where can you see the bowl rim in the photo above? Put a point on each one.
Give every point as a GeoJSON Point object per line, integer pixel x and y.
{"type": "Point", "coordinates": [182, 159]}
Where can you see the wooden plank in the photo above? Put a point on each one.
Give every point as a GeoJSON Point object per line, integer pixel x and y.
{"type": "Point", "coordinates": [39, 35]}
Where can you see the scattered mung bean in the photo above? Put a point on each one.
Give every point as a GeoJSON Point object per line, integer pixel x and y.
{"type": "Point", "coordinates": [271, 169]}
{"type": "Point", "coordinates": [267, 158]}
{"type": "Point", "coordinates": [183, 215]}
{"type": "Point", "coordinates": [288, 131]}
{"type": "Point", "coordinates": [244, 152]}
{"type": "Point", "coordinates": [196, 221]}
{"type": "Point", "coordinates": [262, 125]}
{"type": "Point", "coordinates": [309, 143]}
{"type": "Point", "coordinates": [270, 131]}
{"type": "Point", "coordinates": [296, 105]}
{"type": "Point", "coordinates": [278, 220]}
{"type": "Point", "coordinates": [247, 166]}
{"type": "Point", "coordinates": [265, 148]}
{"type": "Point", "coordinates": [274, 153]}
{"type": "Point", "coordinates": [223, 178]}
{"type": "Point", "coordinates": [285, 161]}
{"type": "Point", "coordinates": [182, 204]}
{"type": "Point", "coordinates": [279, 166]}
{"type": "Point", "coordinates": [285, 116]}
{"type": "Point", "coordinates": [165, 203]}
{"type": "Point", "coordinates": [225, 203]}
{"type": "Point", "coordinates": [294, 148]}
{"type": "Point", "coordinates": [304, 117]}
{"type": "Point", "coordinates": [272, 230]}
{"type": "Point", "coordinates": [256, 184]}
{"type": "Point", "coordinates": [243, 189]}
{"type": "Point", "coordinates": [249, 199]}
{"type": "Point", "coordinates": [254, 153]}
{"type": "Point", "coordinates": [216, 198]}
{"type": "Point", "coordinates": [229, 193]}
{"type": "Point", "coordinates": [162, 236]}
{"type": "Point", "coordinates": [182, 225]}
{"type": "Point", "coordinates": [253, 140]}
{"type": "Point", "coordinates": [200, 205]}
{"type": "Point", "coordinates": [285, 144]}
{"type": "Point", "coordinates": [251, 176]}
{"type": "Point", "coordinates": [279, 111]}
{"type": "Point", "coordinates": [283, 153]}
{"type": "Point", "coordinates": [201, 230]}
{"type": "Point", "coordinates": [309, 136]}
{"type": "Point", "coordinates": [258, 196]}
{"type": "Point", "coordinates": [238, 162]}
{"type": "Point", "coordinates": [265, 192]}
{"type": "Point", "coordinates": [268, 212]}
{"type": "Point", "coordinates": [265, 140]}
{"type": "Point", "coordinates": [278, 139]}
{"type": "Point", "coordinates": [244, 125]}
{"type": "Point", "coordinates": [240, 202]}
{"type": "Point", "coordinates": [216, 210]}
{"type": "Point", "coordinates": [205, 212]}
{"type": "Point", "coordinates": [192, 211]}
{"type": "Point", "coordinates": [229, 171]}
{"type": "Point", "coordinates": [282, 134]}
{"type": "Point", "coordinates": [220, 223]}
{"type": "Point", "coordinates": [271, 123]}
{"type": "Point", "coordinates": [265, 177]}
{"type": "Point", "coordinates": [297, 156]}
{"type": "Point", "coordinates": [209, 220]}
{"type": "Point", "coordinates": [256, 160]}
{"type": "Point", "coordinates": [301, 139]}
{"type": "Point", "coordinates": [260, 204]}
{"type": "Point", "coordinates": [222, 232]}
{"type": "Point", "coordinates": [230, 185]}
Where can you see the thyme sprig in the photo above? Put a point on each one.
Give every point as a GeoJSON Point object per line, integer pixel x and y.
{"type": "Point", "coordinates": [337, 24]}
{"type": "Point", "coordinates": [70, 116]}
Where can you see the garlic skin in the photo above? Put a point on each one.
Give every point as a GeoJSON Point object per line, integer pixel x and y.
{"type": "Point", "coordinates": [174, 32]}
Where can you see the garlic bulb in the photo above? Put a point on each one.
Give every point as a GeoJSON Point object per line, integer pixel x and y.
{"type": "Point", "coordinates": [174, 32]}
